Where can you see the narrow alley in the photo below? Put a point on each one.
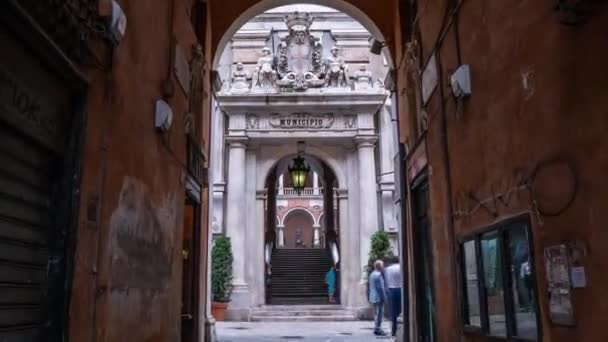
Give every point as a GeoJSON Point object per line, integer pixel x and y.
{"type": "Point", "coordinates": [303, 170]}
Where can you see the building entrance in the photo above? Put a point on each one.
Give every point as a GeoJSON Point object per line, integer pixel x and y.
{"type": "Point", "coordinates": [302, 236]}
{"type": "Point", "coordinates": [301, 83]}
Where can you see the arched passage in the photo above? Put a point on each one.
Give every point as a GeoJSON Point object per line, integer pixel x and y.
{"type": "Point", "coordinates": [333, 125]}
{"type": "Point", "coordinates": [300, 259]}
{"type": "Point", "coordinates": [371, 14]}
{"type": "Point", "coordinates": [298, 228]}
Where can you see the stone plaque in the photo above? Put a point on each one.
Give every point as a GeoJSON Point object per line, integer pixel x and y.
{"type": "Point", "coordinates": [302, 121]}
{"type": "Point", "coordinates": [181, 68]}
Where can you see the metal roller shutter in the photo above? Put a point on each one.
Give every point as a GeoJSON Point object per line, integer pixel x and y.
{"type": "Point", "coordinates": [34, 129]}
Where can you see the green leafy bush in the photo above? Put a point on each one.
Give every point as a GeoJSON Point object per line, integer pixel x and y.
{"type": "Point", "coordinates": [380, 249]}
{"type": "Point", "coordinates": [221, 270]}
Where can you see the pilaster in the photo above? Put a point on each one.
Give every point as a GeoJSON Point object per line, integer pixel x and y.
{"type": "Point", "coordinates": [368, 204]}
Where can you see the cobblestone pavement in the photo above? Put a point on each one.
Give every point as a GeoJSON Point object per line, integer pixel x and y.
{"type": "Point", "coordinates": [298, 332]}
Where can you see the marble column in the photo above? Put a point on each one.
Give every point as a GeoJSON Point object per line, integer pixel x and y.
{"type": "Point", "coordinates": [259, 257]}
{"type": "Point", "coordinates": [281, 186]}
{"type": "Point", "coordinates": [235, 220]}
{"type": "Point", "coordinates": [280, 236]}
{"type": "Point", "coordinates": [316, 235]}
{"type": "Point", "coordinates": [350, 269]}
{"type": "Point", "coordinates": [315, 183]}
{"type": "Point", "coordinates": [368, 203]}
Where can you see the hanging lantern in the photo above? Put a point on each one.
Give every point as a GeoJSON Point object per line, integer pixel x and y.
{"type": "Point", "coordinates": [298, 171]}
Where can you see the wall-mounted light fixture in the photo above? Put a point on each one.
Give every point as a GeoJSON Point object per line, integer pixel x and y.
{"type": "Point", "coordinates": [376, 46]}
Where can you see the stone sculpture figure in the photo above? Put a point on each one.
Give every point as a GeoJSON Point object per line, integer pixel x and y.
{"type": "Point", "coordinates": [264, 75]}
{"type": "Point", "coordinates": [240, 79]}
{"type": "Point", "coordinates": [299, 242]}
{"type": "Point", "coordinates": [363, 79]}
{"type": "Point", "coordinates": [196, 82]}
{"type": "Point", "coordinates": [335, 70]}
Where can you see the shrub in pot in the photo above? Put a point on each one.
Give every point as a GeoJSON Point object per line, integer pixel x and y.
{"type": "Point", "coordinates": [221, 276]}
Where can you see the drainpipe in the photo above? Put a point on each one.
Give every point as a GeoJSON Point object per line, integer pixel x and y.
{"type": "Point", "coordinates": [448, 177]}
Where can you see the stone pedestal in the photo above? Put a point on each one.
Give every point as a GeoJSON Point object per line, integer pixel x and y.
{"type": "Point", "coordinates": [316, 236]}
{"type": "Point", "coordinates": [280, 236]}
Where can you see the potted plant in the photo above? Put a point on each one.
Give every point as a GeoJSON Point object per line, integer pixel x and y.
{"type": "Point", "coordinates": [380, 249]}
{"type": "Point", "coordinates": [221, 276]}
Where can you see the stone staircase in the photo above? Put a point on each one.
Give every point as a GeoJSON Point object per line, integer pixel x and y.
{"type": "Point", "coordinates": [302, 313]}
{"type": "Point", "coordinates": [298, 276]}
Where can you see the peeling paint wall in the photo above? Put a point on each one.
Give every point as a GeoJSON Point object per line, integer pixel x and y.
{"type": "Point", "coordinates": [142, 239]}
{"type": "Point", "coordinates": [144, 276]}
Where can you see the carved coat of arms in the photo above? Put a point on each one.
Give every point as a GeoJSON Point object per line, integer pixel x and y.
{"type": "Point", "coordinates": [300, 54]}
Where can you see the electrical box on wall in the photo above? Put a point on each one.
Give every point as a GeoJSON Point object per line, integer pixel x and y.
{"type": "Point", "coordinates": [163, 116]}
{"type": "Point", "coordinates": [118, 23]}
{"type": "Point", "coordinates": [461, 82]}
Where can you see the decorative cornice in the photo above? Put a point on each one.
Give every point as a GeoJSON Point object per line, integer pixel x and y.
{"type": "Point", "coordinates": [237, 142]}
{"type": "Point", "coordinates": [342, 193]}
{"type": "Point", "coordinates": [260, 194]}
{"type": "Point", "coordinates": [366, 140]}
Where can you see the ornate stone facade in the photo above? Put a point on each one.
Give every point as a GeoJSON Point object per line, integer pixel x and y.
{"type": "Point", "coordinates": [301, 63]}
{"type": "Point", "coordinates": [303, 92]}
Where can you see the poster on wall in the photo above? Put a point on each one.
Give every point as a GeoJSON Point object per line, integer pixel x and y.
{"type": "Point", "coordinates": [558, 283]}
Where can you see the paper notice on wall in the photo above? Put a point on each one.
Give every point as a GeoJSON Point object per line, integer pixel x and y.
{"type": "Point", "coordinates": [578, 277]}
{"type": "Point", "coordinates": [558, 283]}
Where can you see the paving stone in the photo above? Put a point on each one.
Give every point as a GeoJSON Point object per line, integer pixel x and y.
{"type": "Point", "coordinates": [298, 332]}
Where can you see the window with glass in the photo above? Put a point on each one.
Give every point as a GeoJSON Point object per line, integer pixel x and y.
{"type": "Point", "coordinates": [499, 282]}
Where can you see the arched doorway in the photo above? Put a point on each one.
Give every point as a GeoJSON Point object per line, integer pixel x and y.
{"type": "Point", "coordinates": [277, 96]}
{"type": "Point", "coordinates": [298, 229]}
{"type": "Point", "coordinates": [300, 250]}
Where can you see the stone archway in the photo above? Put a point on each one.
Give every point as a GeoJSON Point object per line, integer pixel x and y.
{"type": "Point", "coordinates": [266, 126]}
{"type": "Point", "coordinates": [298, 228]}
{"type": "Point", "coordinates": [360, 10]}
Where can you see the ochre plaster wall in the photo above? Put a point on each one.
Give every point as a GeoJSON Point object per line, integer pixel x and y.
{"type": "Point", "coordinates": [507, 128]}
{"type": "Point", "coordinates": [127, 276]}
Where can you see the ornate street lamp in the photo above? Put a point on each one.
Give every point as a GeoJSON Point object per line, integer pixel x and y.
{"type": "Point", "coordinates": [299, 172]}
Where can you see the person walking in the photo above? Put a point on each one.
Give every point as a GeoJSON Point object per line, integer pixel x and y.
{"type": "Point", "coordinates": [394, 280]}
{"type": "Point", "coordinates": [330, 280]}
{"type": "Point", "coordinates": [377, 295]}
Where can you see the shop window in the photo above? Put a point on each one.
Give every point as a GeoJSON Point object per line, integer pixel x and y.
{"type": "Point", "coordinates": [499, 282]}
{"type": "Point", "coordinates": [471, 284]}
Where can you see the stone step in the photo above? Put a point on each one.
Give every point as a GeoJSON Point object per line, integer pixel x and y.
{"type": "Point", "coordinates": [291, 313]}
{"type": "Point", "coordinates": [299, 307]}
{"type": "Point", "coordinates": [298, 293]}
{"type": "Point", "coordinates": [344, 318]}
{"type": "Point", "coordinates": [292, 301]}
{"type": "Point", "coordinates": [302, 313]}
